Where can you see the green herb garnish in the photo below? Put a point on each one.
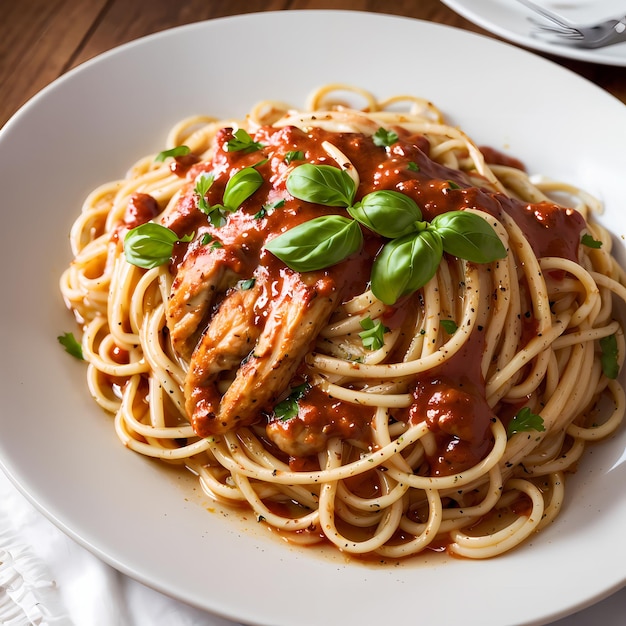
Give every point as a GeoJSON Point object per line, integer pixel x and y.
{"type": "Point", "coordinates": [318, 243]}
{"type": "Point", "coordinates": [449, 326]}
{"type": "Point", "coordinates": [294, 155]}
{"type": "Point", "coordinates": [242, 142]}
{"type": "Point", "coordinates": [150, 245]}
{"type": "Point", "coordinates": [240, 187]}
{"type": "Point", "coordinates": [404, 264]}
{"type": "Point", "coordinates": [468, 236]}
{"type": "Point", "coordinates": [203, 184]}
{"type": "Point", "coordinates": [389, 213]}
{"type": "Point", "coordinates": [172, 152]}
{"type": "Point", "coordinates": [72, 345]}
{"type": "Point", "coordinates": [288, 408]}
{"type": "Point", "coordinates": [372, 335]}
{"type": "Point", "coordinates": [246, 284]}
{"type": "Point", "coordinates": [523, 421]}
{"type": "Point", "coordinates": [383, 137]}
{"type": "Point", "coordinates": [608, 358]}
{"type": "Point", "coordinates": [321, 184]}
{"type": "Point", "coordinates": [590, 242]}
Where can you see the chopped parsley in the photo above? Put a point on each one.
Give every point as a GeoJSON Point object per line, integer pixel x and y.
{"type": "Point", "coordinates": [172, 152]}
{"type": "Point", "coordinates": [449, 326]}
{"type": "Point", "coordinates": [203, 184]}
{"type": "Point", "coordinates": [523, 421]}
{"type": "Point", "coordinates": [71, 345]}
{"type": "Point", "coordinates": [294, 155]}
{"type": "Point", "coordinates": [288, 408]}
{"type": "Point", "coordinates": [590, 242]}
{"type": "Point", "coordinates": [242, 142]}
{"type": "Point", "coordinates": [383, 137]}
{"type": "Point", "coordinates": [246, 284]}
{"type": "Point", "coordinates": [608, 358]}
{"type": "Point", "coordinates": [372, 335]}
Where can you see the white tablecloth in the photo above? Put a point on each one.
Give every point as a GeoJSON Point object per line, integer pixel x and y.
{"type": "Point", "coordinates": [47, 579]}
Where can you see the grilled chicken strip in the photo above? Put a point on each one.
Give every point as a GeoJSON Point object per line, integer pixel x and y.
{"type": "Point", "coordinates": [294, 318]}
{"type": "Point", "coordinates": [229, 338]}
{"type": "Point", "coordinates": [244, 346]}
{"type": "Point", "coordinates": [201, 278]}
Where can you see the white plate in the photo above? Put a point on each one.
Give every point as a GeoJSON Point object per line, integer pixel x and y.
{"type": "Point", "coordinates": [61, 450]}
{"type": "Point", "coordinates": [509, 19]}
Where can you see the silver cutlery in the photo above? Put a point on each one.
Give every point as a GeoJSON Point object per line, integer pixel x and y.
{"type": "Point", "coordinates": [605, 33]}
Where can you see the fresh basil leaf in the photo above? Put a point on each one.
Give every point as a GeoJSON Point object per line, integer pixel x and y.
{"type": "Point", "coordinates": [288, 408]}
{"type": "Point", "coordinates": [449, 326]}
{"type": "Point", "coordinates": [150, 245]}
{"type": "Point", "coordinates": [318, 243]}
{"type": "Point", "coordinates": [240, 187]}
{"type": "Point", "coordinates": [383, 137]}
{"type": "Point", "coordinates": [389, 213]}
{"type": "Point", "coordinates": [468, 236]}
{"type": "Point", "coordinates": [523, 421]}
{"type": "Point", "coordinates": [405, 264]}
{"type": "Point", "coordinates": [71, 345]}
{"type": "Point", "coordinates": [203, 184]}
{"type": "Point", "coordinates": [608, 358]}
{"type": "Point", "coordinates": [172, 152]}
{"type": "Point", "coordinates": [590, 242]}
{"type": "Point", "coordinates": [242, 142]}
{"type": "Point", "coordinates": [372, 335]}
{"type": "Point", "coordinates": [321, 184]}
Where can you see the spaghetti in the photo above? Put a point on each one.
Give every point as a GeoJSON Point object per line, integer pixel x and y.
{"type": "Point", "coordinates": [384, 385]}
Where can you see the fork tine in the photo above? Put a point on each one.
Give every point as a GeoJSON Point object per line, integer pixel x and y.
{"type": "Point", "coordinates": [569, 32]}
{"type": "Point", "coordinates": [557, 28]}
{"type": "Point", "coordinates": [605, 33]}
{"type": "Point", "coordinates": [560, 36]}
{"type": "Point", "coordinates": [552, 17]}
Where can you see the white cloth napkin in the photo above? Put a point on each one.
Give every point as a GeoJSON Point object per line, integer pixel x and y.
{"type": "Point", "coordinates": [47, 579]}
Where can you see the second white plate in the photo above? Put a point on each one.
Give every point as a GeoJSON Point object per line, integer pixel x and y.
{"type": "Point", "coordinates": [509, 19]}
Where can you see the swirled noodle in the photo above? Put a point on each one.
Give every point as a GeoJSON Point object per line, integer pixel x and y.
{"type": "Point", "coordinates": [528, 333]}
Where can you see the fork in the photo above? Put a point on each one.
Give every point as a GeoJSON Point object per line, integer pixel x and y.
{"type": "Point", "coordinates": [598, 35]}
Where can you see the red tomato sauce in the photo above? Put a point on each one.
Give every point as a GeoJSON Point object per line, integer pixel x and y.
{"type": "Point", "coordinates": [451, 398]}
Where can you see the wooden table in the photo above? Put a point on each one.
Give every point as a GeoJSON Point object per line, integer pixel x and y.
{"type": "Point", "coordinates": [42, 39]}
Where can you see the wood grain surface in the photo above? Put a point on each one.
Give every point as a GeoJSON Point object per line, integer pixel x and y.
{"type": "Point", "coordinates": [42, 39]}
